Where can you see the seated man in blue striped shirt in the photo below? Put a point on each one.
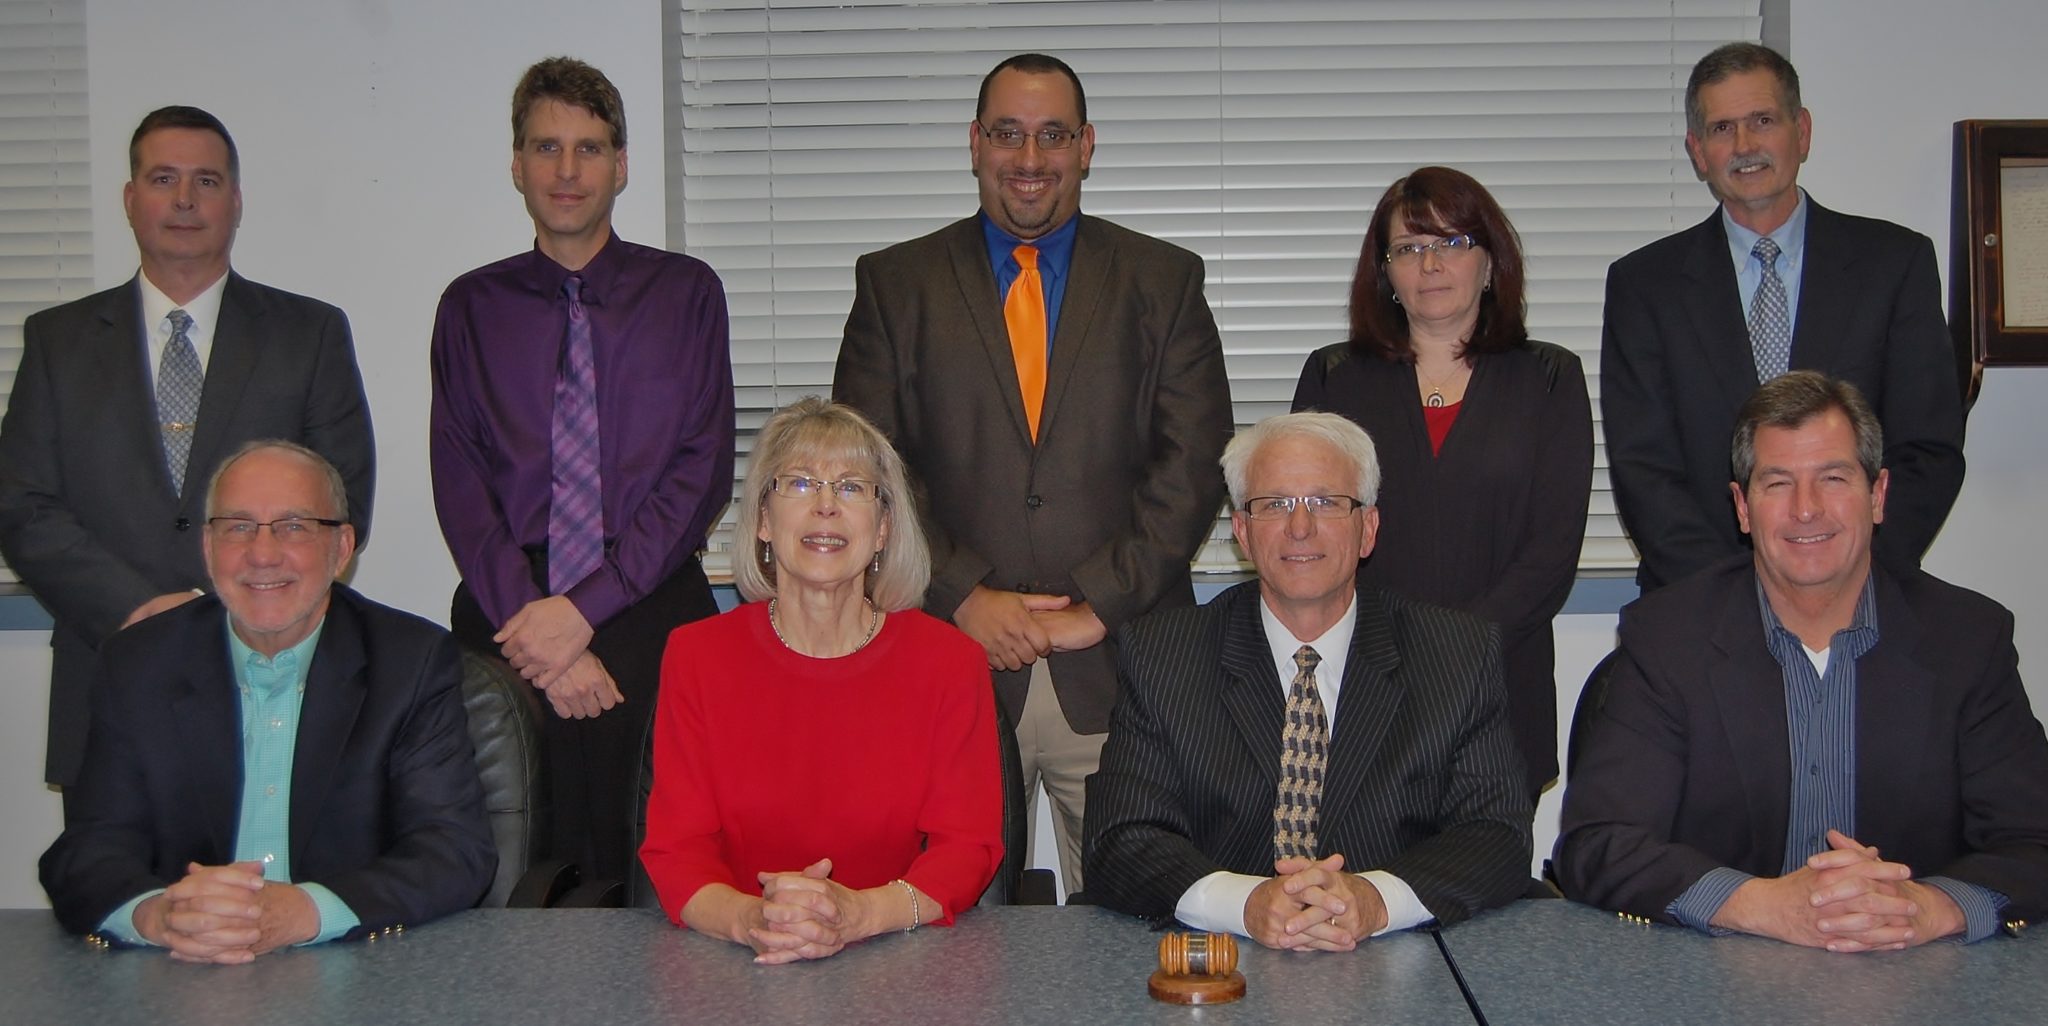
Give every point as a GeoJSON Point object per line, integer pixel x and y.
{"type": "Point", "coordinates": [282, 762]}
{"type": "Point", "coordinates": [1801, 744]}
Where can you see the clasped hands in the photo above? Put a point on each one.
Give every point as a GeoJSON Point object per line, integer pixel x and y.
{"type": "Point", "coordinates": [227, 915]}
{"type": "Point", "coordinates": [1845, 899]}
{"type": "Point", "coordinates": [1018, 628]}
{"type": "Point", "coordinates": [1314, 906]}
{"type": "Point", "coordinates": [803, 915]}
{"type": "Point", "coordinates": [548, 642]}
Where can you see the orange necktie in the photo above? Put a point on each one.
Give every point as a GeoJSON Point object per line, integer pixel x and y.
{"type": "Point", "coordinates": [1024, 313]}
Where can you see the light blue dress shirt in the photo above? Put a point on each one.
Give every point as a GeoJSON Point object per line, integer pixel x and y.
{"type": "Point", "coordinates": [272, 692]}
{"type": "Point", "coordinates": [1749, 271]}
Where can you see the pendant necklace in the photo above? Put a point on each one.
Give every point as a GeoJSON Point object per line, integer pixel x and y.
{"type": "Point", "coordinates": [874, 624]}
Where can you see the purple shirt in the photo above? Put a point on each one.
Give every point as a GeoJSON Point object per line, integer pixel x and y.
{"type": "Point", "coordinates": [664, 407]}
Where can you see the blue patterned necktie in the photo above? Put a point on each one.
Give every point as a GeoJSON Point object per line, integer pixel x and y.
{"type": "Point", "coordinates": [1304, 753]}
{"type": "Point", "coordinates": [576, 506]}
{"type": "Point", "coordinates": [178, 383]}
{"type": "Point", "coordinates": [1770, 316]}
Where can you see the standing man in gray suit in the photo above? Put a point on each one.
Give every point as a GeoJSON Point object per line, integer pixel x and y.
{"type": "Point", "coordinates": [1056, 385]}
{"type": "Point", "coordinates": [126, 400]}
{"type": "Point", "coordinates": [1236, 792]}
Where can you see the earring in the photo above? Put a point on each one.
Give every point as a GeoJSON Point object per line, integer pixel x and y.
{"type": "Point", "coordinates": [1397, 299]}
{"type": "Point", "coordinates": [767, 554]}
{"type": "Point", "coordinates": [876, 566]}
{"type": "Point", "coordinates": [1488, 287]}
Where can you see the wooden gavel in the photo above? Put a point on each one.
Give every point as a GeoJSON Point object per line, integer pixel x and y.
{"type": "Point", "coordinates": [1197, 969]}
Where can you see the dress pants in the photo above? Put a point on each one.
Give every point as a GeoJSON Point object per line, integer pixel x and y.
{"type": "Point", "coordinates": [1061, 759]}
{"type": "Point", "coordinates": [593, 765]}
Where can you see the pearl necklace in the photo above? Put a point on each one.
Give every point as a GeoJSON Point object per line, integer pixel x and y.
{"type": "Point", "coordinates": [874, 623]}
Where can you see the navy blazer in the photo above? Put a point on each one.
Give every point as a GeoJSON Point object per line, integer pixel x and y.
{"type": "Point", "coordinates": [1687, 765]}
{"type": "Point", "coordinates": [386, 808]}
{"type": "Point", "coordinates": [1423, 781]}
{"type": "Point", "coordinates": [1676, 367]}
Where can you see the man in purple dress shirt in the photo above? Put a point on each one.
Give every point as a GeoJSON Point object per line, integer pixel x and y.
{"type": "Point", "coordinates": [582, 447]}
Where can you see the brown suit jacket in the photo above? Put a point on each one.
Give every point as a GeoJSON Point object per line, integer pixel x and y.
{"type": "Point", "coordinates": [1123, 484]}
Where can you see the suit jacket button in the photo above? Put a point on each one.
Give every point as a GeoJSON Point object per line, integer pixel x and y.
{"type": "Point", "coordinates": [1034, 502]}
{"type": "Point", "coordinates": [184, 523]}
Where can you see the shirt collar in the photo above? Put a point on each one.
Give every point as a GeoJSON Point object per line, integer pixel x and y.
{"type": "Point", "coordinates": [204, 309]}
{"type": "Point", "coordinates": [291, 665]}
{"type": "Point", "coordinates": [1055, 248]}
{"type": "Point", "coordinates": [1790, 237]}
{"type": "Point", "coordinates": [545, 276]}
{"type": "Point", "coordinates": [1860, 634]}
{"type": "Point", "coordinates": [1333, 645]}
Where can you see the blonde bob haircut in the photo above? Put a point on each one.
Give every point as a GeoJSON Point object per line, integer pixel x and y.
{"type": "Point", "coordinates": [815, 431]}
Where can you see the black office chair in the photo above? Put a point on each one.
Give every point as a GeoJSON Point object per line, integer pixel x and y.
{"type": "Point", "coordinates": [504, 728]}
{"type": "Point", "coordinates": [639, 892]}
{"type": "Point", "coordinates": [1592, 698]}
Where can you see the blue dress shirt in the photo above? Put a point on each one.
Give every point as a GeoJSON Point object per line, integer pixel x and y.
{"type": "Point", "coordinates": [1055, 255]}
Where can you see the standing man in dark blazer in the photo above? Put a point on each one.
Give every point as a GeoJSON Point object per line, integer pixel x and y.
{"type": "Point", "coordinates": [1696, 320]}
{"type": "Point", "coordinates": [1056, 384]}
{"type": "Point", "coordinates": [280, 762]}
{"type": "Point", "coordinates": [1304, 760]}
{"type": "Point", "coordinates": [126, 401]}
{"type": "Point", "coordinates": [1804, 744]}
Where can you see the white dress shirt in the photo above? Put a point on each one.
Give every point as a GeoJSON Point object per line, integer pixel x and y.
{"type": "Point", "coordinates": [1216, 902]}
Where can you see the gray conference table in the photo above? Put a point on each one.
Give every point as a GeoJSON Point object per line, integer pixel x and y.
{"type": "Point", "coordinates": [1540, 962]}
{"type": "Point", "coordinates": [618, 967]}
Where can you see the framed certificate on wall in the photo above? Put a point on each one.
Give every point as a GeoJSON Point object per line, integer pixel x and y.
{"type": "Point", "coordinates": [1998, 245]}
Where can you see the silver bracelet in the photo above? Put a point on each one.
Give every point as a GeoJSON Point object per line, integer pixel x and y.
{"type": "Point", "coordinates": [916, 913]}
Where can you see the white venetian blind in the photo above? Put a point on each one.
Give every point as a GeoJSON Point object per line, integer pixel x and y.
{"type": "Point", "coordinates": [45, 213]}
{"type": "Point", "coordinates": [1257, 133]}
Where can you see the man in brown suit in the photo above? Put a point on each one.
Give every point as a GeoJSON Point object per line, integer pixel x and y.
{"type": "Point", "coordinates": [1064, 437]}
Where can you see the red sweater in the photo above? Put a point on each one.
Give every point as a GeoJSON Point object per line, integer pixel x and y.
{"type": "Point", "coordinates": [766, 760]}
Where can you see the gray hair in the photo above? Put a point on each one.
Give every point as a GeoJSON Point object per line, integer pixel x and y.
{"type": "Point", "coordinates": [337, 494]}
{"type": "Point", "coordinates": [1789, 401]}
{"type": "Point", "coordinates": [814, 429]}
{"type": "Point", "coordinates": [1736, 59]}
{"type": "Point", "coordinates": [1347, 437]}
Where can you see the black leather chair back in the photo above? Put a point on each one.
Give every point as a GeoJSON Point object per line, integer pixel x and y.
{"type": "Point", "coordinates": [504, 728]}
{"type": "Point", "coordinates": [640, 889]}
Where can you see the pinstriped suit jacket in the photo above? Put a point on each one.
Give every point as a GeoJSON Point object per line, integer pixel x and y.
{"type": "Point", "coordinates": [1424, 779]}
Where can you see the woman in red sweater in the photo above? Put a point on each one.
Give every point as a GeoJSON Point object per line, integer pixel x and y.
{"type": "Point", "coordinates": [825, 762]}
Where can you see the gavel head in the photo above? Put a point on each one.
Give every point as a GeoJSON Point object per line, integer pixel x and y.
{"type": "Point", "coordinates": [1197, 954]}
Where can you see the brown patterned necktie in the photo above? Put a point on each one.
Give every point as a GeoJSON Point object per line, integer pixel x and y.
{"type": "Point", "coordinates": [1304, 752]}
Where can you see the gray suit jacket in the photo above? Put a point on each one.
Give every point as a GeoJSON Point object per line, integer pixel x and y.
{"type": "Point", "coordinates": [1676, 366]}
{"type": "Point", "coordinates": [1123, 484]}
{"type": "Point", "coordinates": [1423, 781]}
{"type": "Point", "coordinates": [87, 515]}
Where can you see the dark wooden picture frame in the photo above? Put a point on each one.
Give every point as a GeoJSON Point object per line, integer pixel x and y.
{"type": "Point", "coordinates": [1999, 164]}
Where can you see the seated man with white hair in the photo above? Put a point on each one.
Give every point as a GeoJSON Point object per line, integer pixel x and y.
{"type": "Point", "coordinates": [1237, 794]}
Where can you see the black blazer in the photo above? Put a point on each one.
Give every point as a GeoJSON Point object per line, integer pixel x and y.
{"type": "Point", "coordinates": [1493, 525]}
{"type": "Point", "coordinates": [1423, 780]}
{"type": "Point", "coordinates": [87, 515]}
{"type": "Point", "coordinates": [1687, 766]}
{"type": "Point", "coordinates": [1676, 366]}
{"type": "Point", "coordinates": [1123, 484]}
{"type": "Point", "coordinates": [386, 809]}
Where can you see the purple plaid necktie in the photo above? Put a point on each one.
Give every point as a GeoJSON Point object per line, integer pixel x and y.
{"type": "Point", "coordinates": [576, 506]}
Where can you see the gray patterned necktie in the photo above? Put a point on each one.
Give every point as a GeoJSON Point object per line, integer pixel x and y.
{"type": "Point", "coordinates": [178, 383]}
{"type": "Point", "coordinates": [1770, 316]}
{"type": "Point", "coordinates": [1304, 753]}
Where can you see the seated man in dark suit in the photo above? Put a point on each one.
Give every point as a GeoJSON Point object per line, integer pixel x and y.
{"type": "Point", "coordinates": [1776, 722]}
{"type": "Point", "coordinates": [1236, 802]}
{"type": "Point", "coordinates": [281, 762]}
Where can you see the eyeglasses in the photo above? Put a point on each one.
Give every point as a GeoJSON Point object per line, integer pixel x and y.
{"type": "Point", "coordinates": [1275, 507]}
{"type": "Point", "coordinates": [1445, 248]}
{"type": "Point", "coordinates": [1007, 138]}
{"type": "Point", "coordinates": [846, 489]}
{"type": "Point", "coordinates": [287, 530]}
